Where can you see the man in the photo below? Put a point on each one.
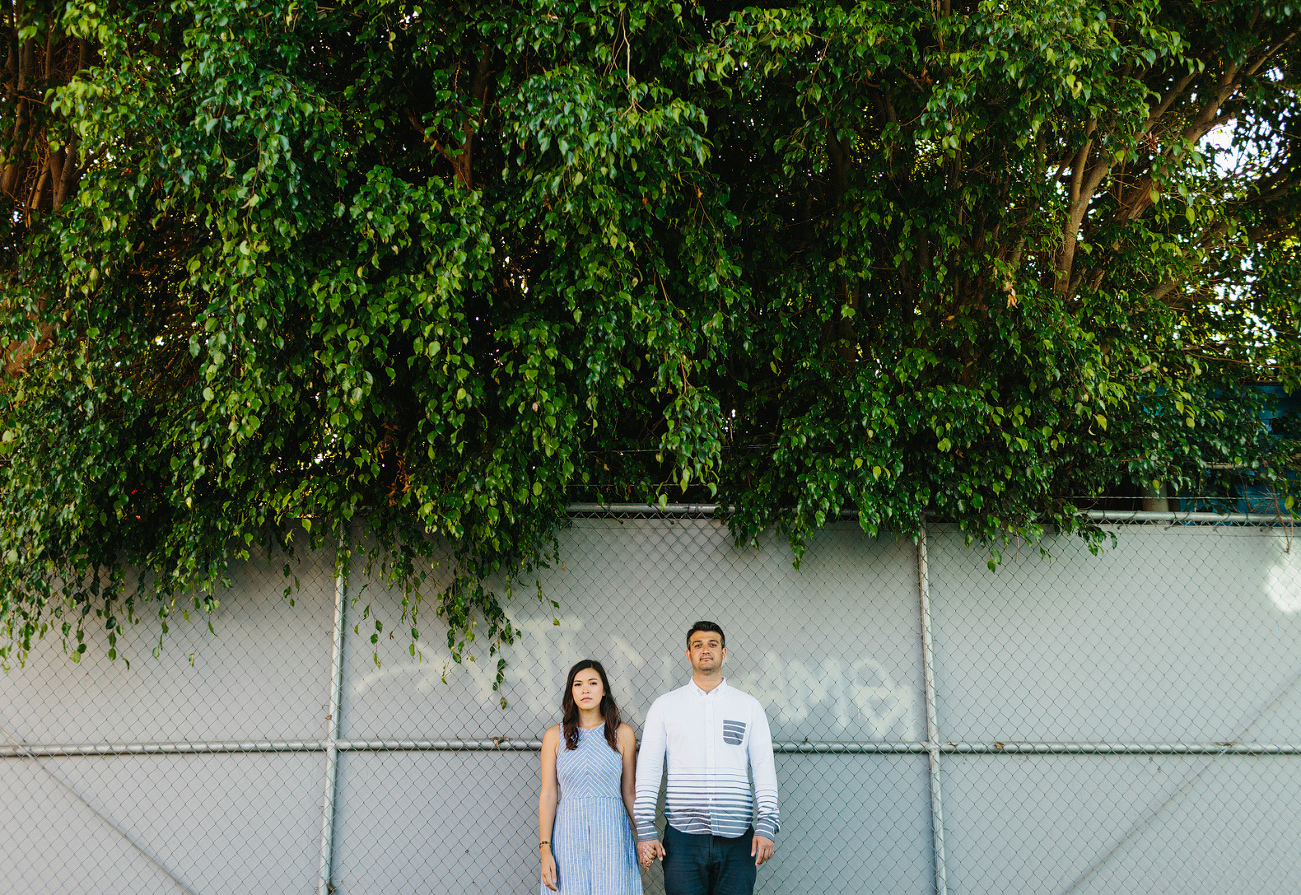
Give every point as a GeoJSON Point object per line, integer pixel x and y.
{"type": "Point", "coordinates": [711, 734]}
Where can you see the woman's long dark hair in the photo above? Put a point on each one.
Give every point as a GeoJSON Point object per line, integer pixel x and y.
{"type": "Point", "coordinates": [609, 709]}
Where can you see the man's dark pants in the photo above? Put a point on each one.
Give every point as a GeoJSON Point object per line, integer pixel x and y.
{"type": "Point", "coordinates": [708, 865]}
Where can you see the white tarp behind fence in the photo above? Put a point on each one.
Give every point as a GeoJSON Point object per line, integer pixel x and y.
{"type": "Point", "coordinates": [1129, 722]}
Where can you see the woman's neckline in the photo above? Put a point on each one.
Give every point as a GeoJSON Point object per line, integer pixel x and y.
{"type": "Point", "coordinates": [597, 727]}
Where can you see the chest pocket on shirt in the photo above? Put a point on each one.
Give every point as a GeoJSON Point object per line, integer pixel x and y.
{"type": "Point", "coordinates": [733, 732]}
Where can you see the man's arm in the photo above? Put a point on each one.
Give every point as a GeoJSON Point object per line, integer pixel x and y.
{"type": "Point", "coordinates": [650, 768]}
{"type": "Point", "coordinates": [765, 777]}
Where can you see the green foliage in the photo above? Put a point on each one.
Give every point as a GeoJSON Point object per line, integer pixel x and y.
{"type": "Point", "coordinates": [290, 274]}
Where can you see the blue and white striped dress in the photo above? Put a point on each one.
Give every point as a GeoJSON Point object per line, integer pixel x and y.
{"type": "Point", "coordinates": [591, 839]}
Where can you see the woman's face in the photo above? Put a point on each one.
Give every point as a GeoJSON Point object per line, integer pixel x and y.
{"type": "Point", "coordinates": [587, 689]}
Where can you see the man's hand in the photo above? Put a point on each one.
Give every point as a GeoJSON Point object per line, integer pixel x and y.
{"type": "Point", "coordinates": [761, 850]}
{"type": "Point", "coordinates": [651, 849]}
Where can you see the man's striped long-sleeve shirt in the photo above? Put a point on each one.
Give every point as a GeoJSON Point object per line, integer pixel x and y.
{"type": "Point", "coordinates": [709, 739]}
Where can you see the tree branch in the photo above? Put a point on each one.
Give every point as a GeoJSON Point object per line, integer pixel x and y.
{"type": "Point", "coordinates": [1084, 184]}
{"type": "Point", "coordinates": [1167, 100]}
{"type": "Point", "coordinates": [463, 157]}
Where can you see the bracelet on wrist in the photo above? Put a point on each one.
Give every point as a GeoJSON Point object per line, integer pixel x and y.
{"type": "Point", "coordinates": [546, 842]}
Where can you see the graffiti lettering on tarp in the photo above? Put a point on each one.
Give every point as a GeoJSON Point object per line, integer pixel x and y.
{"type": "Point", "coordinates": [539, 661]}
{"type": "Point", "coordinates": [841, 694]}
{"type": "Point", "coordinates": [544, 655]}
{"type": "Point", "coordinates": [857, 697]}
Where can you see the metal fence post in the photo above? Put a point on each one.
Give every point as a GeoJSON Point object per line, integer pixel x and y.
{"type": "Point", "coordinates": [324, 886]}
{"type": "Point", "coordinates": [932, 724]}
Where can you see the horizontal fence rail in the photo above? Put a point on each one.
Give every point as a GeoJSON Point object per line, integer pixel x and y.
{"type": "Point", "coordinates": [781, 748]}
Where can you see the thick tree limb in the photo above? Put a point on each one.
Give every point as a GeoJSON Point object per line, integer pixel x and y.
{"type": "Point", "coordinates": [1084, 184]}
{"type": "Point", "coordinates": [1168, 98]}
{"type": "Point", "coordinates": [462, 156]}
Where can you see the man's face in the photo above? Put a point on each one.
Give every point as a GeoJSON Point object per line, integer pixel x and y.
{"type": "Point", "coordinates": [705, 651]}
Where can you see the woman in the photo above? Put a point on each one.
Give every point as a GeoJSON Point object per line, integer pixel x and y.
{"type": "Point", "coordinates": [585, 835]}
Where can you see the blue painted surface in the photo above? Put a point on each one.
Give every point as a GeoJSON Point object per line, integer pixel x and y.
{"type": "Point", "coordinates": [1251, 497]}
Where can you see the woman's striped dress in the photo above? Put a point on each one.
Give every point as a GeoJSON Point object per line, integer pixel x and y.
{"type": "Point", "coordinates": [591, 839]}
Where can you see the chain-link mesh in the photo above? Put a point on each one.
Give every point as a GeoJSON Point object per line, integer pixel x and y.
{"type": "Point", "coordinates": [1181, 639]}
{"type": "Point", "coordinates": [1129, 722]}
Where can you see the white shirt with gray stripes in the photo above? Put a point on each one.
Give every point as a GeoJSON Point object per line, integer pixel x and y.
{"type": "Point", "coordinates": [710, 740]}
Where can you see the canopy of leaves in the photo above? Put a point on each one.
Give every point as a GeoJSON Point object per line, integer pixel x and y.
{"type": "Point", "coordinates": [401, 269]}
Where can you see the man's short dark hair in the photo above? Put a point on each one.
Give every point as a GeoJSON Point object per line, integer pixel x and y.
{"type": "Point", "coordinates": [707, 626]}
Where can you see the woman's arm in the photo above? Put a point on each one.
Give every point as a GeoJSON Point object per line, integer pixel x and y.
{"type": "Point", "coordinates": [547, 801]}
{"type": "Point", "coordinates": [628, 784]}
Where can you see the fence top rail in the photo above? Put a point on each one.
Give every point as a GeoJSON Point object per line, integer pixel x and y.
{"type": "Point", "coordinates": [642, 509]}
{"type": "Point", "coordinates": [1114, 516]}
{"type": "Point", "coordinates": [1190, 518]}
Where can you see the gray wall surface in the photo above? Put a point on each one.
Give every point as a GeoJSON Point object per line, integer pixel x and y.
{"type": "Point", "coordinates": [1129, 722]}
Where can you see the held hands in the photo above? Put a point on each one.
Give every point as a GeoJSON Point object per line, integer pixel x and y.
{"type": "Point", "coordinates": [649, 851]}
{"type": "Point", "coordinates": [549, 870]}
{"type": "Point", "coordinates": [761, 850]}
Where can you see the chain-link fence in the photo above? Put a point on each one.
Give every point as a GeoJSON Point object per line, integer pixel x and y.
{"type": "Point", "coordinates": [1129, 722]}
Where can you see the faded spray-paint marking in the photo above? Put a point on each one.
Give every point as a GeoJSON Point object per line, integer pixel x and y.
{"type": "Point", "coordinates": [833, 693]}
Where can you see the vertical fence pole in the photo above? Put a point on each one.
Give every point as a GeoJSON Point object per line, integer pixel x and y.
{"type": "Point", "coordinates": [932, 723]}
{"type": "Point", "coordinates": [324, 886]}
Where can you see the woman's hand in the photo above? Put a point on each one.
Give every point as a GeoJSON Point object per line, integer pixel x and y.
{"type": "Point", "coordinates": [549, 869]}
{"type": "Point", "coordinates": [547, 800]}
{"type": "Point", "coordinates": [649, 851]}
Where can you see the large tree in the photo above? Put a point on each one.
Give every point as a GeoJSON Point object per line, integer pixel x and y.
{"type": "Point", "coordinates": [403, 270]}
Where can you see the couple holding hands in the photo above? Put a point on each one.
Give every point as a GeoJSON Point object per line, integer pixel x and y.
{"type": "Point", "coordinates": [713, 738]}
